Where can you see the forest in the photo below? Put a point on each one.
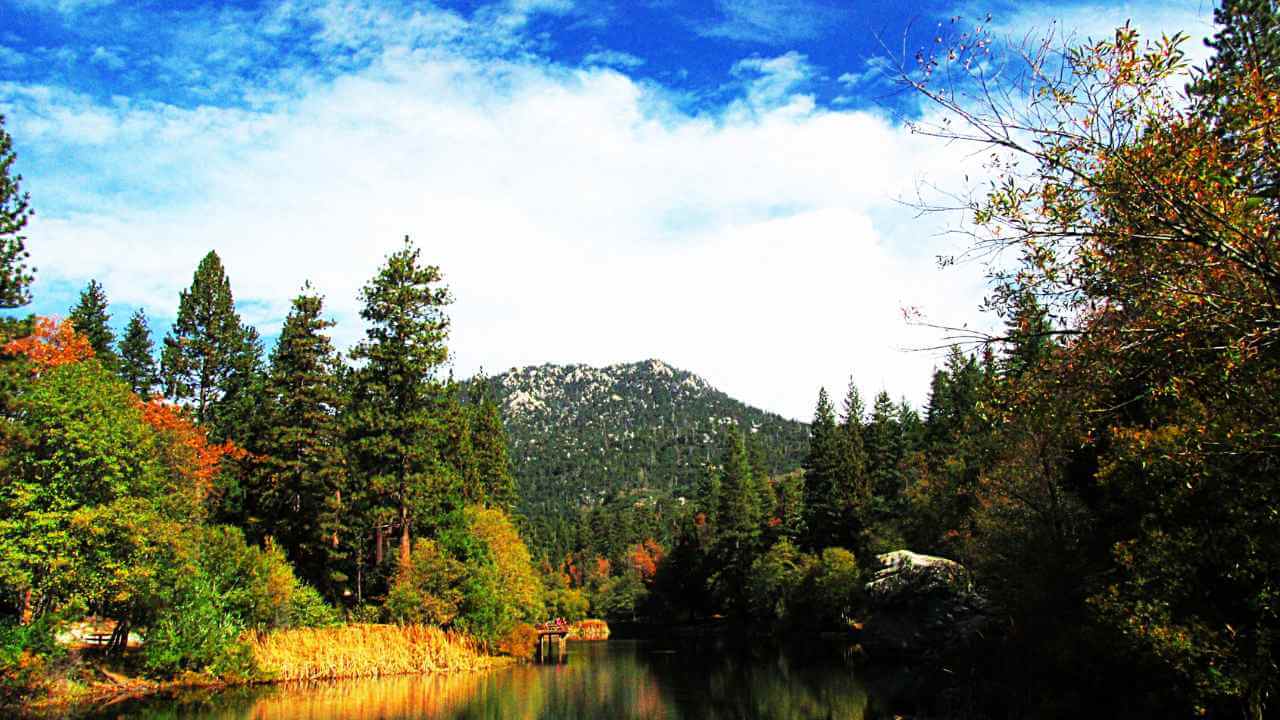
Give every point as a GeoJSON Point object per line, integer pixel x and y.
{"type": "Point", "coordinates": [1104, 464]}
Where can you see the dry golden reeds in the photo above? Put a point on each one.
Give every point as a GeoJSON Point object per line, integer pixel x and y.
{"type": "Point", "coordinates": [367, 651]}
{"type": "Point", "coordinates": [589, 629]}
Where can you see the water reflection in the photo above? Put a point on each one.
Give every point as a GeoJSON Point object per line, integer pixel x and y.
{"type": "Point", "coordinates": [615, 680]}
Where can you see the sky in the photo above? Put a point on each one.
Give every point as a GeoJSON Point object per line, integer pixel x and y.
{"type": "Point", "coordinates": [725, 185]}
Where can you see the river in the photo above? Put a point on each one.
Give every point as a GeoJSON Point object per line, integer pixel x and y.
{"type": "Point", "coordinates": [613, 680]}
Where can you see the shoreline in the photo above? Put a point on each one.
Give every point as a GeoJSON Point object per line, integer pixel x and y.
{"type": "Point", "coordinates": [346, 652]}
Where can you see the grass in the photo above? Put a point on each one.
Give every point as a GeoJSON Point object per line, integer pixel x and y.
{"type": "Point", "coordinates": [367, 651]}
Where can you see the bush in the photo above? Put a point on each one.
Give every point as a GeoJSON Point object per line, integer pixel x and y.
{"type": "Point", "coordinates": [365, 614]}
{"type": "Point", "coordinates": [427, 590]}
{"type": "Point", "coordinates": [225, 588]}
{"type": "Point", "coordinates": [570, 604]}
{"type": "Point", "coordinates": [198, 634]}
{"type": "Point", "coordinates": [307, 609]}
{"type": "Point", "coordinates": [521, 641]}
{"type": "Point", "coordinates": [26, 652]}
{"type": "Point", "coordinates": [832, 593]}
{"type": "Point", "coordinates": [775, 580]}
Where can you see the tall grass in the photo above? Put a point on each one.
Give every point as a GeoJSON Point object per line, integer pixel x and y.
{"type": "Point", "coordinates": [366, 651]}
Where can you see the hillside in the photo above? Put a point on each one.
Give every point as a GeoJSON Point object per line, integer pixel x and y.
{"type": "Point", "coordinates": [580, 434]}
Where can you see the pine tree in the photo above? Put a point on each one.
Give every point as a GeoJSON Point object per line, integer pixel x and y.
{"type": "Point", "coordinates": [883, 440]}
{"type": "Point", "coordinates": [137, 356]}
{"type": "Point", "coordinates": [397, 404]}
{"type": "Point", "coordinates": [821, 471]}
{"type": "Point", "coordinates": [456, 447]}
{"type": "Point", "coordinates": [852, 488]}
{"type": "Point", "coordinates": [201, 347]}
{"type": "Point", "coordinates": [790, 508]}
{"type": "Point", "coordinates": [302, 472]}
{"type": "Point", "coordinates": [236, 414]}
{"type": "Point", "coordinates": [15, 212]}
{"type": "Point", "coordinates": [489, 443]}
{"type": "Point", "coordinates": [90, 319]}
{"type": "Point", "coordinates": [1028, 334]}
{"type": "Point", "coordinates": [738, 534]}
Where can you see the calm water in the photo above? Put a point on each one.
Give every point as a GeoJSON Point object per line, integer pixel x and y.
{"type": "Point", "coordinates": [618, 679]}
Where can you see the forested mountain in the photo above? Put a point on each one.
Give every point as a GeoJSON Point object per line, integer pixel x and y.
{"type": "Point", "coordinates": [581, 434]}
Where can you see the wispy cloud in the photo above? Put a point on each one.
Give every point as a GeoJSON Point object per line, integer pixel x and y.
{"type": "Point", "coordinates": [65, 7]}
{"type": "Point", "coordinates": [613, 58]}
{"type": "Point", "coordinates": [771, 22]}
{"type": "Point", "coordinates": [771, 82]}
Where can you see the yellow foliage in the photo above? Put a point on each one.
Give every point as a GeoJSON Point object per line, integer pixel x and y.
{"type": "Point", "coordinates": [367, 651]}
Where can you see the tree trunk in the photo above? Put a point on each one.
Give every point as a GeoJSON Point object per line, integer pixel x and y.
{"type": "Point", "coordinates": [26, 607]}
{"type": "Point", "coordinates": [377, 545]}
{"type": "Point", "coordinates": [119, 638]}
{"type": "Point", "coordinates": [404, 535]}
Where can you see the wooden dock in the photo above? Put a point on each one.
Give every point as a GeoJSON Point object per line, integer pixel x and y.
{"type": "Point", "coordinates": [553, 636]}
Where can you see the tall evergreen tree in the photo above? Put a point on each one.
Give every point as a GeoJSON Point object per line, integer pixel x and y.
{"type": "Point", "coordinates": [456, 447]}
{"type": "Point", "coordinates": [1028, 334]}
{"type": "Point", "coordinates": [397, 413]}
{"type": "Point", "coordinates": [15, 212]}
{"type": "Point", "coordinates": [489, 443]}
{"type": "Point", "coordinates": [90, 318]}
{"type": "Point", "coordinates": [821, 473]}
{"type": "Point", "coordinates": [852, 490]}
{"type": "Point", "coordinates": [884, 449]}
{"type": "Point", "coordinates": [236, 414]}
{"type": "Point", "coordinates": [201, 347]}
{"type": "Point", "coordinates": [302, 471]}
{"type": "Point", "coordinates": [137, 356]}
{"type": "Point", "coordinates": [738, 534]}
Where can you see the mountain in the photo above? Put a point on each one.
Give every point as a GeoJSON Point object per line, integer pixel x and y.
{"type": "Point", "coordinates": [579, 435]}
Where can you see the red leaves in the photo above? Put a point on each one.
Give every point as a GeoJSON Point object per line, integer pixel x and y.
{"type": "Point", "coordinates": [197, 460]}
{"type": "Point", "coordinates": [644, 558]}
{"type": "Point", "coordinates": [51, 344]}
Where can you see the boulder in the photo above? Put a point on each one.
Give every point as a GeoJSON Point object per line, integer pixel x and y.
{"type": "Point", "coordinates": [920, 605]}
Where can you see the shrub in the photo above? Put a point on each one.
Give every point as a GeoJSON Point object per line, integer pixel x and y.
{"type": "Point", "coordinates": [775, 579]}
{"type": "Point", "coordinates": [832, 593]}
{"type": "Point", "coordinates": [307, 609]}
{"type": "Point", "coordinates": [570, 604]}
{"type": "Point", "coordinates": [521, 641]}
{"type": "Point", "coordinates": [26, 652]}
{"type": "Point", "coordinates": [225, 587]}
{"type": "Point", "coordinates": [427, 590]}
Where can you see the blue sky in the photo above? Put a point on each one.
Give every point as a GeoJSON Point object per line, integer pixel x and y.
{"type": "Point", "coordinates": [715, 183]}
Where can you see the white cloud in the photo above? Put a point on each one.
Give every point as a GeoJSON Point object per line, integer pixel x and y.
{"type": "Point", "coordinates": [65, 7]}
{"type": "Point", "coordinates": [774, 22]}
{"type": "Point", "coordinates": [578, 217]}
{"type": "Point", "coordinates": [107, 58]}
{"type": "Point", "coordinates": [11, 58]}
{"type": "Point", "coordinates": [771, 81]}
{"type": "Point", "coordinates": [613, 58]}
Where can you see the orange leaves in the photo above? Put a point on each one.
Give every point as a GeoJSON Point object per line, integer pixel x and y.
{"type": "Point", "coordinates": [52, 343]}
{"type": "Point", "coordinates": [644, 558]}
{"type": "Point", "coordinates": [192, 455]}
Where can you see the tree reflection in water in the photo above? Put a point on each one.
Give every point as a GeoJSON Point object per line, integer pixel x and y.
{"type": "Point", "coordinates": [617, 680]}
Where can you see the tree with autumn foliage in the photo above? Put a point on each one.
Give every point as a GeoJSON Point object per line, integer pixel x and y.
{"type": "Point", "coordinates": [1144, 223]}
{"type": "Point", "coordinates": [102, 512]}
